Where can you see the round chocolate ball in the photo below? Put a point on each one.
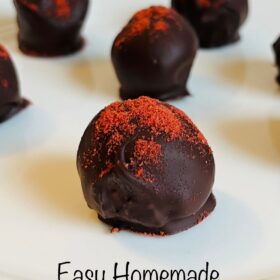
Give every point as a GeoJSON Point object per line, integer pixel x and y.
{"type": "Point", "coordinates": [146, 167]}
{"type": "Point", "coordinates": [10, 100]}
{"type": "Point", "coordinates": [50, 27]}
{"type": "Point", "coordinates": [216, 22]}
{"type": "Point", "coordinates": [154, 53]}
{"type": "Point", "coordinates": [276, 47]}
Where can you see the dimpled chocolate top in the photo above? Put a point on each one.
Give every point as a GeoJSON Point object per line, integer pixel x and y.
{"type": "Point", "coordinates": [153, 21]}
{"type": "Point", "coordinates": [144, 164]}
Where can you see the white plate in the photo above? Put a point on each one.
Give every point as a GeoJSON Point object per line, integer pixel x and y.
{"type": "Point", "coordinates": [236, 103]}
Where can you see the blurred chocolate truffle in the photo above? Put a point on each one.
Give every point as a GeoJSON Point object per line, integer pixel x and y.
{"type": "Point", "coordinates": [10, 100]}
{"type": "Point", "coordinates": [50, 27]}
{"type": "Point", "coordinates": [154, 53]}
{"type": "Point", "coordinates": [146, 167]}
{"type": "Point", "coordinates": [216, 22]}
{"type": "Point", "coordinates": [276, 47]}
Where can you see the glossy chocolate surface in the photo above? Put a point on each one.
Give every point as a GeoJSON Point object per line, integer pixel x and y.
{"type": "Point", "coordinates": [50, 27]}
{"type": "Point", "coordinates": [153, 54]}
{"type": "Point", "coordinates": [145, 166]}
{"type": "Point", "coordinates": [276, 47]}
{"type": "Point", "coordinates": [10, 100]}
{"type": "Point", "coordinates": [216, 22]}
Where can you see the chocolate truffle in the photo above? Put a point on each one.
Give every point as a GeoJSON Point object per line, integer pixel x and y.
{"type": "Point", "coordinates": [276, 47]}
{"type": "Point", "coordinates": [216, 22]}
{"type": "Point", "coordinates": [10, 100]}
{"type": "Point", "coordinates": [146, 167]}
{"type": "Point", "coordinates": [50, 27]}
{"type": "Point", "coordinates": [154, 53]}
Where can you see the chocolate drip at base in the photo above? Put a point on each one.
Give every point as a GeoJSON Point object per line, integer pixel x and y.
{"type": "Point", "coordinates": [171, 227]}
{"type": "Point", "coordinates": [9, 110]}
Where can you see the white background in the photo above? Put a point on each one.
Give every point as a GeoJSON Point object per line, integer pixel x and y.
{"type": "Point", "coordinates": [236, 103]}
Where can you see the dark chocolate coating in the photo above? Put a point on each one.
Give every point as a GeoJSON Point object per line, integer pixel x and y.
{"type": "Point", "coordinates": [10, 100]}
{"type": "Point", "coordinates": [48, 29]}
{"type": "Point", "coordinates": [276, 48]}
{"type": "Point", "coordinates": [179, 196]}
{"type": "Point", "coordinates": [155, 63]}
{"type": "Point", "coordinates": [216, 22]}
